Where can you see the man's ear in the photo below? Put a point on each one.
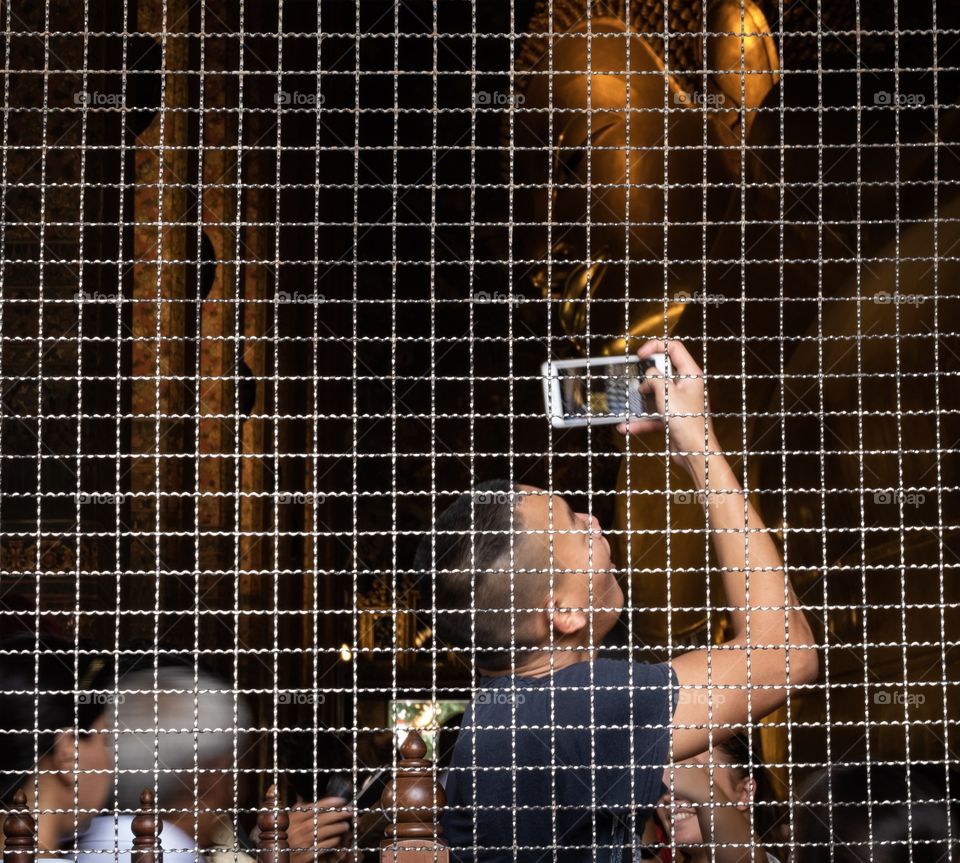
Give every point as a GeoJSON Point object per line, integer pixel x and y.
{"type": "Point", "coordinates": [566, 621]}
{"type": "Point", "coordinates": [746, 788]}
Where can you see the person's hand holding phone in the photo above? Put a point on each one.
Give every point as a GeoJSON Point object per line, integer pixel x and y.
{"type": "Point", "coordinates": [319, 828]}
{"type": "Point", "coordinates": [681, 401]}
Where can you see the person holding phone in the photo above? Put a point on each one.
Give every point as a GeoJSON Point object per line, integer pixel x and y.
{"type": "Point", "coordinates": [562, 753]}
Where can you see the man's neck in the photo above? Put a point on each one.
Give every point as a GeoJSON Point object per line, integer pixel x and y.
{"type": "Point", "coordinates": [542, 663]}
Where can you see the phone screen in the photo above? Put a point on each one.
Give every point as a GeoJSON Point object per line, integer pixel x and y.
{"type": "Point", "coordinates": [339, 786]}
{"type": "Point", "coordinates": [601, 391]}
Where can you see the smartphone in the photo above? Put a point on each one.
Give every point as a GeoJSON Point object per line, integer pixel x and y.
{"type": "Point", "coordinates": [339, 785]}
{"type": "Point", "coordinates": [597, 390]}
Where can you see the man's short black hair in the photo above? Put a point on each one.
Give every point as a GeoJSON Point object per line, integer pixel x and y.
{"type": "Point", "coordinates": [475, 553]}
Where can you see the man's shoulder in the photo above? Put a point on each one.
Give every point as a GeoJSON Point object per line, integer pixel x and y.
{"type": "Point", "coordinates": [638, 692]}
{"type": "Point", "coordinates": [587, 669]}
{"type": "Point", "coordinates": [626, 676]}
{"type": "Point", "coordinates": [612, 684]}
{"type": "Point", "coordinates": [588, 673]}
{"type": "Point", "coordinates": [634, 673]}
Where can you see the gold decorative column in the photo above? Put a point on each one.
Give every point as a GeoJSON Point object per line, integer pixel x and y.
{"type": "Point", "coordinates": [219, 315]}
{"type": "Point", "coordinates": [158, 319]}
{"type": "Point", "coordinates": [256, 543]}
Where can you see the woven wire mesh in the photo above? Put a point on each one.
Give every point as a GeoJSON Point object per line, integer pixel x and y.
{"type": "Point", "coordinates": [275, 290]}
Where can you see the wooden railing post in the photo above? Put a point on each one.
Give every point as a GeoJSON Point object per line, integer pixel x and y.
{"type": "Point", "coordinates": [146, 827]}
{"type": "Point", "coordinates": [413, 800]}
{"type": "Point", "coordinates": [18, 831]}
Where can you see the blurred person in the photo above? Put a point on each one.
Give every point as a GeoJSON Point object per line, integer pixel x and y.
{"type": "Point", "coordinates": [375, 748]}
{"type": "Point", "coordinates": [184, 731]}
{"type": "Point", "coordinates": [54, 689]}
{"type": "Point", "coordinates": [317, 766]}
{"type": "Point", "coordinates": [529, 587]}
{"type": "Point", "coordinates": [180, 733]}
{"type": "Point", "coordinates": [311, 762]}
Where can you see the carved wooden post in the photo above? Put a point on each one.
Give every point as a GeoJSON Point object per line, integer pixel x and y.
{"type": "Point", "coordinates": [273, 821]}
{"type": "Point", "coordinates": [146, 827]}
{"type": "Point", "coordinates": [414, 800]}
{"type": "Point", "coordinates": [18, 830]}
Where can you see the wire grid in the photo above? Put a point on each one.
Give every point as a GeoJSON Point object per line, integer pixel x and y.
{"type": "Point", "coordinates": [276, 288]}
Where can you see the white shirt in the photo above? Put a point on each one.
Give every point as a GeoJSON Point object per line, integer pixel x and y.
{"type": "Point", "coordinates": [109, 839]}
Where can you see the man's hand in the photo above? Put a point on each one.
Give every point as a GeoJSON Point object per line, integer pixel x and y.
{"type": "Point", "coordinates": [772, 625]}
{"type": "Point", "coordinates": [682, 401]}
{"type": "Point", "coordinates": [316, 828]}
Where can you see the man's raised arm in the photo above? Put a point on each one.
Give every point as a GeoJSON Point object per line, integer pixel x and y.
{"type": "Point", "coordinates": [772, 648]}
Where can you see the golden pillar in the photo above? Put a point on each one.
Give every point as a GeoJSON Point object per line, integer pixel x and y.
{"type": "Point", "coordinates": [255, 540]}
{"type": "Point", "coordinates": [832, 361]}
{"type": "Point", "coordinates": [158, 397]}
{"type": "Point", "coordinates": [220, 321]}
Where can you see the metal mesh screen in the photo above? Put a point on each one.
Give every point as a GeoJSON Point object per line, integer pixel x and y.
{"type": "Point", "coordinates": [279, 483]}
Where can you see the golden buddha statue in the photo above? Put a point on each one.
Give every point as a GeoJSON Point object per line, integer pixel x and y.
{"type": "Point", "coordinates": [797, 236]}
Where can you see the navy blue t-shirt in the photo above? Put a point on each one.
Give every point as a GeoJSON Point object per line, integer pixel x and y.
{"type": "Point", "coordinates": [560, 762]}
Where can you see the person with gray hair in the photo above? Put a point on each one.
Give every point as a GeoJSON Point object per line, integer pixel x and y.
{"type": "Point", "coordinates": [181, 732]}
